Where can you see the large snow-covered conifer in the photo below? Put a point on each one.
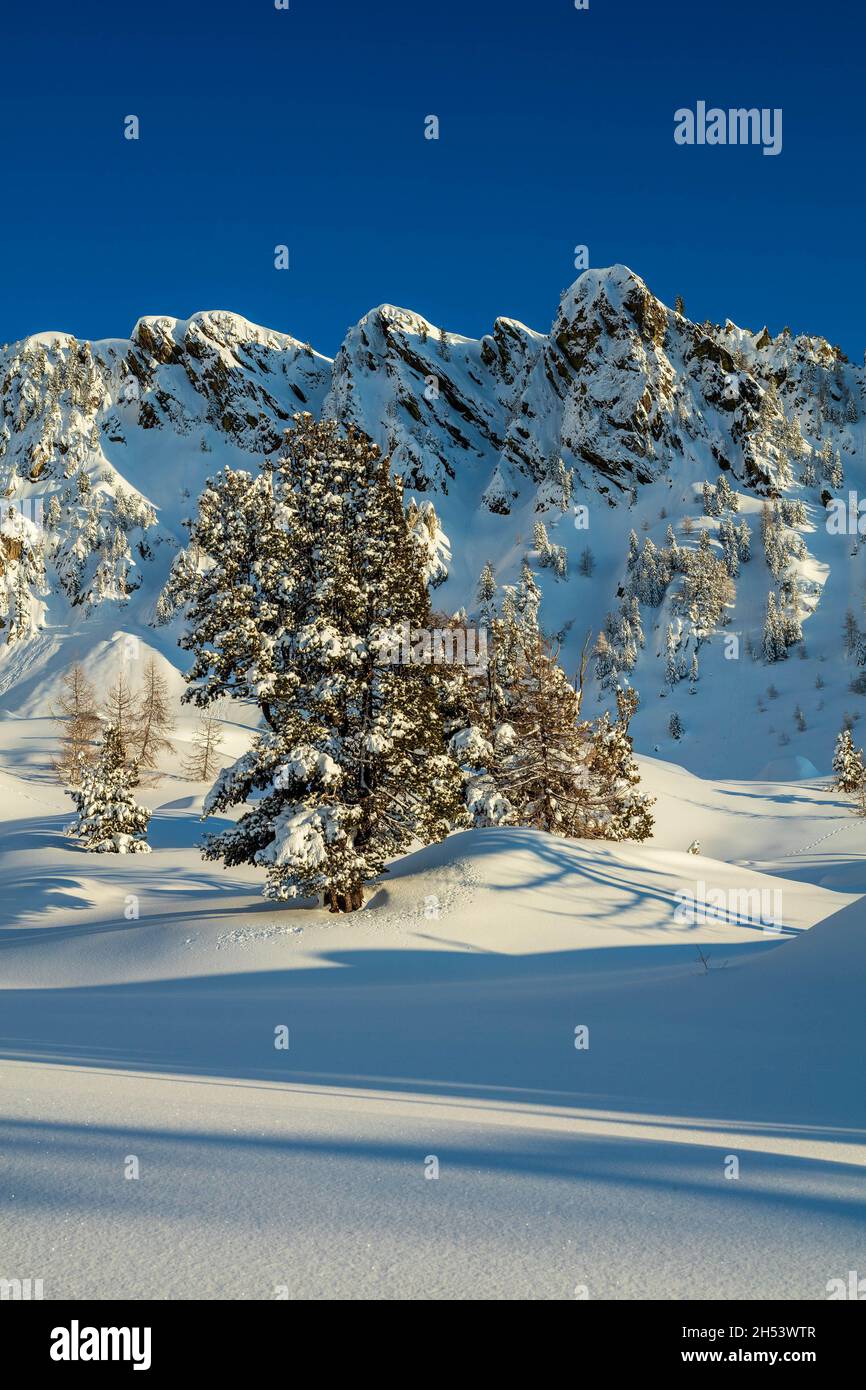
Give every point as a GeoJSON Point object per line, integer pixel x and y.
{"type": "Point", "coordinates": [316, 579]}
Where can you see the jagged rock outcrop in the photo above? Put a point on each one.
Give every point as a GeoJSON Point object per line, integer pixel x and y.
{"type": "Point", "coordinates": [114, 440]}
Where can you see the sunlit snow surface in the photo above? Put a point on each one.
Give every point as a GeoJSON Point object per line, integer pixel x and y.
{"type": "Point", "coordinates": [439, 1023]}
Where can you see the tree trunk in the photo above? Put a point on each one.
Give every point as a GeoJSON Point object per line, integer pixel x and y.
{"type": "Point", "coordinates": [350, 901]}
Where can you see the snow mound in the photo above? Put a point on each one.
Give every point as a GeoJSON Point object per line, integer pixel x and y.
{"type": "Point", "coordinates": [794, 768]}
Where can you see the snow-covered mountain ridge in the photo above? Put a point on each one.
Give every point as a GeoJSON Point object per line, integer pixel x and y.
{"type": "Point", "coordinates": [611, 421]}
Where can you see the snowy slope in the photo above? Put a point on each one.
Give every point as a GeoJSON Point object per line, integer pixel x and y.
{"type": "Point", "coordinates": [439, 1023]}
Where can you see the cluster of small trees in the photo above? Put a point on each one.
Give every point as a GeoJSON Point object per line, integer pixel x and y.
{"type": "Point", "coordinates": [22, 573]}
{"type": "Point", "coordinates": [832, 471]}
{"type": "Point", "coordinates": [93, 536]}
{"type": "Point", "coordinates": [550, 555]}
{"type": "Point", "coordinates": [705, 593]}
{"type": "Point", "coordinates": [92, 533]}
{"type": "Point", "coordinates": [526, 756]}
{"type": "Point", "coordinates": [781, 629]}
{"type": "Point", "coordinates": [556, 485]}
{"type": "Point", "coordinates": [736, 543]}
{"type": "Point", "coordinates": [781, 544]}
{"type": "Point", "coordinates": [721, 498]}
{"type": "Point", "coordinates": [617, 646]}
{"type": "Point", "coordinates": [681, 661]}
{"type": "Point", "coordinates": [141, 719]}
{"type": "Point", "coordinates": [782, 621]}
{"type": "Point", "coordinates": [706, 590]}
{"type": "Point", "coordinates": [102, 750]}
{"type": "Point", "coordinates": [105, 749]}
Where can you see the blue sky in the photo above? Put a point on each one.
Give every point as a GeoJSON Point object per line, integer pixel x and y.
{"type": "Point", "coordinates": [306, 128]}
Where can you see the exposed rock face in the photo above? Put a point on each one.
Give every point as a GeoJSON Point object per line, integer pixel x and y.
{"type": "Point", "coordinates": [115, 439]}
{"type": "Point", "coordinates": [435, 400]}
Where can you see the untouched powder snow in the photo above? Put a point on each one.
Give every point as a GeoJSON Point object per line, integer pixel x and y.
{"type": "Point", "coordinates": [156, 1143]}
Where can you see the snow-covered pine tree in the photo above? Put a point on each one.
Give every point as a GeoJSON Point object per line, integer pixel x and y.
{"type": "Point", "coordinates": [775, 647]}
{"type": "Point", "coordinates": [672, 660]}
{"type": "Point", "coordinates": [233, 610]}
{"type": "Point", "coordinates": [727, 498]}
{"type": "Point", "coordinates": [180, 585]}
{"type": "Point", "coordinates": [486, 594]}
{"type": "Point", "coordinates": [515, 633]}
{"type": "Point", "coordinates": [486, 597]}
{"type": "Point", "coordinates": [19, 628]}
{"type": "Point", "coordinates": [564, 480]}
{"type": "Point", "coordinates": [606, 667]}
{"type": "Point", "coordinates": [108, 819]}
{"type": "Point", "coordinates": [827, 460]}
{"type": "Point", "coordinates": [527, 601]}
{"type": "Point", "coordinates": [651, 574]}
{"type": "Point", "coordinates": [837, 472]}
{"type": "Point", "coordinates": [53, 513]}
{"type": "Point", "coordinates": [712, 506]}
{"type": "Point", "coordinates": [556, 484]}
{"type": "Point", "coordinates": [535, 754]}
{"type": "Point", "coordinates": [541, 770]}
{"type": "Point", "coordinates": [634, 619]}
{"type": "Point", "coordinates": [633, 549]}
{"type": "Point", "coordinates": [707, 588]}
{"type": "Point", "coordinates": [850, 773]}
{"type": "Point", "coordinates": [476, 710]}
{"type": "Point", "coordinates": [533, 761]}
{"type": "Point", "coordinates": [730, 548]}
{"type": "Point", "coordinates": [433, 545]}
{"type": "Point", "coordinates": [792, 627]}
{"type": "Point", "coordinates": [615, 807]}
{"type": "Point", "coordinates": [851, 633]}
{"type": "Point", "coordinates": [315, 576]}
{"type": "Point", "coordinates": [78, 724]}
{"type": "Point", "coordinates": [773, 537]}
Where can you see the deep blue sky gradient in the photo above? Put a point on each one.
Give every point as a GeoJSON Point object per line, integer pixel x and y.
{"type": "Point", "coordinates": [305, 127]}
